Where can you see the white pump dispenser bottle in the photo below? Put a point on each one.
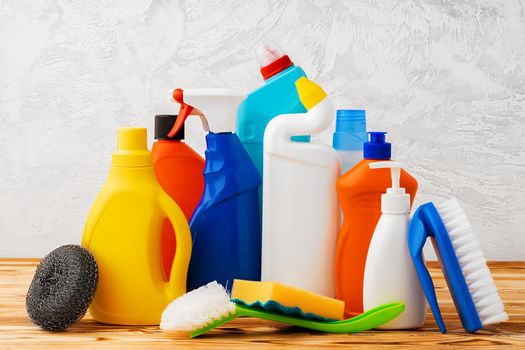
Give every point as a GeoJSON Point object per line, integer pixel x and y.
{"type": "Point", "coordinates": [389, 272]}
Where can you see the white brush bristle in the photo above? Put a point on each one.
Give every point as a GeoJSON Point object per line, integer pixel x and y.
{"type": "Point", "coordinates": [473, 264]}
{"type": "Point", "coordinates": [197, 308]}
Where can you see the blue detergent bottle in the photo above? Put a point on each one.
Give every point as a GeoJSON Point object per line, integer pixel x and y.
{"type": "Point", "coordinates": [226, 225]}
{"type": "Point", "coordinates": [277, 96]}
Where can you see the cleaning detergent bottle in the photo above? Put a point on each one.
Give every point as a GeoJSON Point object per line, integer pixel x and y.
{"type": "Point", "coordinates": [178, 169]}
{"type": "Point", "coordinates": [349, 136]}
{"type": "Point", "coordinates": [123, 231]}
{"type": "Point", "coordinates": [300, 210]}
{"type": "Point", "coordinates": [359, 191]}
{"type": "Point", "coordinates": [389, 272]}
{"type": "Point", "coordinates": [277, 96]}
{"type": "Point", "coordinates": [226, 223]}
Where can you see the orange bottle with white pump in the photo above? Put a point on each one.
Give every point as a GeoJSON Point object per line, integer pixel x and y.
{"type": "Point", "coordinates": [359, 191]}
{"type": "Point", "coordinates": [179, 170]}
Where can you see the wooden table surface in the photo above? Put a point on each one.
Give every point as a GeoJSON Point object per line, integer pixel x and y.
{"type": "Point", "coordinates": [17, 331]}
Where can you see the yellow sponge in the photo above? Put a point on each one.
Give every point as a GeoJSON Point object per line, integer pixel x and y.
{"type": "Point", "coordinates": [282, 298]}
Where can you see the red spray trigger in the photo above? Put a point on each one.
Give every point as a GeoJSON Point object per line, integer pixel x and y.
{"type": "Point", "coordinates": [184, 111]}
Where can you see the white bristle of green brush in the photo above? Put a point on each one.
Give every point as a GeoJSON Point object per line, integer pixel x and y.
{"type": "Point", "coordinates": [473, 264]}
{"type": "Point", "coordinates": [197, 309]}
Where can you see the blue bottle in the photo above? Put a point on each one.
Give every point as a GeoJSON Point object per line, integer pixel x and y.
{"type": "Point", "coordinates": [277, 96]}
{"type": "Point", "coordinates": [226, 225]}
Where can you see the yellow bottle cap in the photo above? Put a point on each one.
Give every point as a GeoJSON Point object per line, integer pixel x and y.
{"type": "Point", "coordinates": [132, 148]}
{"type": "Point", "coordinates": [309, 92]}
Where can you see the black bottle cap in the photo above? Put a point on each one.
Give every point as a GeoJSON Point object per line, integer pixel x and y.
{"type": "Point", "coordinates": [163, 125]}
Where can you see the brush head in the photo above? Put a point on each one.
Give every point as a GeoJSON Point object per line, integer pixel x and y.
{"type": "Point", "coordinates": [197, 309]}
{"type": "Point", "coordinates": [63, 287]}
{"type": "Point", "coordinates": [485, 296]}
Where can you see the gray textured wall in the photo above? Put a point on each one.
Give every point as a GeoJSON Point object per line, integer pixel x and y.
{"type": "Point", "coordinates": [445, 78]}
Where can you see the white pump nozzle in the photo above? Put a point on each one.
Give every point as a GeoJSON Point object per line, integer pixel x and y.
{"type": "Point", "coordinates": [395, 200]}
{"type": "Point", "coordinates": [395, 173]}
{"type": "Point", "coordinates": [268, 53]}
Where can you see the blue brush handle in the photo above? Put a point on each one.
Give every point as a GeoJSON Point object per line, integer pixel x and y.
{"type": "Point", "coordinates": [417, 236]}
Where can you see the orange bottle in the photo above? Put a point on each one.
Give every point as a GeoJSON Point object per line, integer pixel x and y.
{"type": "Point", "coordinates": [178, 169]}
{"type": "Point", "coordinates": [359, 191]}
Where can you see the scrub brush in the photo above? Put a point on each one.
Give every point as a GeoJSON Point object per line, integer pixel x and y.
{"type": "Point", "coordinates": [469, 279]}
{"type": "Point", "coordinates": [209, 306]}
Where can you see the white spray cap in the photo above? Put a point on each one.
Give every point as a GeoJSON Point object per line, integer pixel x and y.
{"type": "Point", "coordinates": [268, 53]}
{"type": "Point", "coordinates": [216, 107]}
{"type": "Point", "coordinates": [272, 60]}
{"type": "Point", "coordinates": [395, 200]}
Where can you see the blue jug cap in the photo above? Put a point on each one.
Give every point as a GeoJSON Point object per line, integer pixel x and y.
{"type": "Point", "coordinates": [377, 147]}
{"type": "Point", "coordinates": [350, 129]}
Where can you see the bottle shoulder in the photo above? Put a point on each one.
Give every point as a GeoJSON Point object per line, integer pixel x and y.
{"type": "Point", "coordinates": [175, 151]}
{"type": "Point", "coordinates": [170, 163]}
{"type": "Point", "coordinates": [115, 205]}
{"type": "Point", "coordinates": [361, 179]}
{"type": "Point", "coordinates": [137, 191]}
{"type": "Point", "coordinates": [226, 156]}
{"type": "Point", "coordinates": [229, 169]}
{"type": "Point", "coordinates": [133, 181]}
{"type": "Point", "coordinates": [307, 153]}
{"type": "Point", "coordinates": [289, 76]}
{"type": "Point", "coordinates": [276, 96]}
{"type": "Point", "coordinates": [389, 221]}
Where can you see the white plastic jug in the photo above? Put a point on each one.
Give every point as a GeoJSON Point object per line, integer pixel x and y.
{"type": "Point", "coordinates": [300, 208]}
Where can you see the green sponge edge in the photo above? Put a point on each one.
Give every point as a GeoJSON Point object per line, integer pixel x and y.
{"type": "Point", "coordinates": [273, 305]}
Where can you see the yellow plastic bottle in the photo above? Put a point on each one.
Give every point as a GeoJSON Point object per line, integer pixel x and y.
{"type": "Point", "coordinates": [123, 231]}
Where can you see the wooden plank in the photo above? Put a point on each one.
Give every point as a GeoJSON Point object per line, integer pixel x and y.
{"type": "Point", "coordinates": [16, 330]}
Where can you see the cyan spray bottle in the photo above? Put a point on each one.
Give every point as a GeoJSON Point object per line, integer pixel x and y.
{"type": "Point", "coordinates": [277, 96]}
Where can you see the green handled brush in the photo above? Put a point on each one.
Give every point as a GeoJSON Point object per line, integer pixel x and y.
{"type": "Point", "coordinates": [208, 307]}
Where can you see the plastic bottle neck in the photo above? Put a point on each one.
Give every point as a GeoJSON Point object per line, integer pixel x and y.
{"type": "Point", "coordinates": [376, 159]}
{"type": "Point", "coordinates": [129, 175]}
{"type": "Point", "coordinates": [170, 141]}
{"type": "Point", "coordinates": [276, 67]}
{"type": "Point", "coordinates": [221, 141]}
{"type": "Point", "coordinates": [132, 148]}
{"type": "Point", "coordinates": [280, 74]}
{"type": "Point", "coordinates": [395, 204]}
{"type": "Point", "coordinates": [350, 130]}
